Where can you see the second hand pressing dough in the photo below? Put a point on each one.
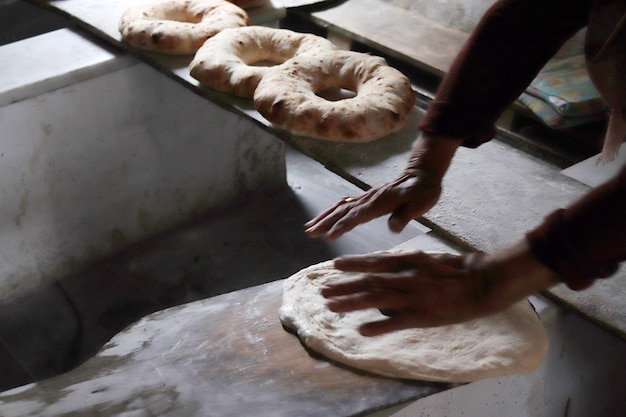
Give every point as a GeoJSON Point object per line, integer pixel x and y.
{"type": "Point", "coordinates": [510, 342]}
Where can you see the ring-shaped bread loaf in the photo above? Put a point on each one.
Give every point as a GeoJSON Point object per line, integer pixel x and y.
{"type": "Point", "coordinates": [287, 97]}
{"type": "Point", "coordinates": [227, 61]}
{"type": "Point", "coordinates": [178, 27]}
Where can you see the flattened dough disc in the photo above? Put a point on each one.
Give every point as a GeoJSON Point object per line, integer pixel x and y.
{"type": "Point", "coordinates": [510, 342]}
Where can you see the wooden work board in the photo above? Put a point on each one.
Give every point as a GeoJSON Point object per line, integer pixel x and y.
{"type": "Point", "coordinates": [414, 39]}
{"type": "Point", "coordinates": [224, 356]}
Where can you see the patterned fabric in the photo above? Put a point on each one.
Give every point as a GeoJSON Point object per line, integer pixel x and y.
{"type": "Point", "coordinates": [548, 114]}
{"type": "Point", "coordinates": [562, 95]}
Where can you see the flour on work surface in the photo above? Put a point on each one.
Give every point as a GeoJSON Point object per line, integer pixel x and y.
{"type": "Point", "coordinates": [510, 342]}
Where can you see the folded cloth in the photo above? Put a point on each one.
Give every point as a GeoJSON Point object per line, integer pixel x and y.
{"type": "Point", "coordinates": [551, 117]}
{"type": "Point", "coordinates": [564, 84]}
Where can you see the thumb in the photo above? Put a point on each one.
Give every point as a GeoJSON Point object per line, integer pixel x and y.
{"type": "Point", "coordinates": [397, 223]}
{"type": "Point", "coordinates": [401, 217]}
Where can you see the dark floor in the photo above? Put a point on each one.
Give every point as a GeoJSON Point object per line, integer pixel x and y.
{"type": "Point", "coordinates": [61, 325]}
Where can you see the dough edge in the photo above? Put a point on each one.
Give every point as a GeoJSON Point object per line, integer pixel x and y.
{"type": "Point", "coordinates": [520, 356]}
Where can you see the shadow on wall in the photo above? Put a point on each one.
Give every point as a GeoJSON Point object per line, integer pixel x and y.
{"type": "Point", "coordinates": [61, 325]}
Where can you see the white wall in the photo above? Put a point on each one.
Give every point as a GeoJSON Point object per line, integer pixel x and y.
{"type": "Point", "coordinates": [458, 14]}
{"type": "Point", "coordinates": [92, 167]}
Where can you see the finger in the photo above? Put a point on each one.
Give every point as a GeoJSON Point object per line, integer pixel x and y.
{"type": "Point", "coordinates": [342, 226]}
{"type": "Point", "coordinates": [343, 288]}
{"type": "Point", "coordinates": [449, 260]}
{"type": "Point", "coordinates": [405, 319]}
{"type": "Point", "coordinates": [393, 323]}
{"type": "Point", "coordinates": [379, 298]}
{"type": "Point", "coordinates": [395, 281]}
{"type": "Point", "coordinates": [433, 262]}
{"type": "Point", "coordinates": [364, 284]}
{"type": "Point", "coordinates": [351, 218]}
{"type": "Point", "coordinates": [339, 219]}
{"type": "Point", "coordinates": [329, 210]}
{"type": "Point", "coordinates": [397, 223]}
{"type": "Point", "coordinates": [403, 215]}
{"type": "Point", "coordinates": [322, 224]}
{"type": "Point", "coordinates": [379, 261]}
{"type": "Point", "coordinates": [374, 204]}
{"type": "Point", "coordinates": [407, 212]}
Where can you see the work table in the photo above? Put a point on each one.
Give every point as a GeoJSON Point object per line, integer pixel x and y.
{"type": "Point", "coordinates": [224, 356]}
{"type": "Point", "coordinates": [492, 195]}
{"type": "Point", "coordinates": [171, 359]}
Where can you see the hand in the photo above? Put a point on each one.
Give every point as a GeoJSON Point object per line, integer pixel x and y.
{"type": "Point", "coordinates": [412, 194]}
{"type": "Point", "coordinates": [421, 289]}
{"type": "Point", "coordinates": [406, 198]}
{"type": "Point", "coordinates": [425, 290]}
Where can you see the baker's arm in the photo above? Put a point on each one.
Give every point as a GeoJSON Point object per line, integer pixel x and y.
{"type": "Point", "coordinates": [505, 51]}
{"type": "Point", "coordinates": [510, 44]}
{"type": "Point", "coordinates": [576, 245]}
{"type": "Point", "coordinates": [587, 240]}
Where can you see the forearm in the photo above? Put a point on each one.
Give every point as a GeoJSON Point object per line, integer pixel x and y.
{"type": "Point", "coordinates": [576, 246]}
{"type": "Point", "coordinates": [514, 273]}
{"type": "Point", "coordinates": [587, 240]}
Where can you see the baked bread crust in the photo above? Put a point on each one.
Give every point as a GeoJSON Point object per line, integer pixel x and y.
{"type": "Point", "coordinates": [286, 96]}
{"type": "Point", "coordinates": [178, 27]}
{"type": "Point", "coordinates": [226, 62]}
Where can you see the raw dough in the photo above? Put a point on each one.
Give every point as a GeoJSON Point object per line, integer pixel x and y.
{"type": "Point", "coordinates": [510, 342]}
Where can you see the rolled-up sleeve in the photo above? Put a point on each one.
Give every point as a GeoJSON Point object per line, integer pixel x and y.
{"type": "Point", "coordinates": [587, 240]}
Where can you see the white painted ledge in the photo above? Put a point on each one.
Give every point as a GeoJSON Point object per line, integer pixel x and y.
{"type": "Point", "coordinates": [50, 61]}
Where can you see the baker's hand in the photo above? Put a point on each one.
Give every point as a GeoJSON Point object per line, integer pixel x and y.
{"type": "Point", "coordinates": [412, 194]}
{"type": "Point", "coordinates": [406, 198]}
{"type": "Point", "coordinates": [434, 289]}
{"type": "Point", "coordinates": [422, 289]}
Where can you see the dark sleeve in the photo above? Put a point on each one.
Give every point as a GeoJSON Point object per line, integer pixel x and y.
{"type": "Point", "coordinates": [587, 240]}
{"type": "Point", "coordinates": [506, 50]}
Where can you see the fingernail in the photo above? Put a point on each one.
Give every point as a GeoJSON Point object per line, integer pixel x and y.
{"type": "Point", "coordinates": [389, 311]}
{"type": "Point", "coordinates": [395, 225]}
{"type": "Point", "coordinates": [311, 232]}
{"type": "Point", "coordinates": [331, 305]}
{"type": "Point", "coordinates": [366, 331]}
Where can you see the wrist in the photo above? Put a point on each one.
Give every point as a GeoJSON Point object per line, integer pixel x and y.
{"type": "Point", "coordinates": [516, 273]}
{"type": "Point", "coordinates": [432, 154]}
